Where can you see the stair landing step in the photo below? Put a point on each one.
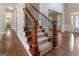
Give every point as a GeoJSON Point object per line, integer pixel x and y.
{"type": "Point", "coordinates": [43, 38]}
{"type": "Point", "coordinates": [41, 33]}
{"type": "Point", "coordinates": [46, 50]}
{"type": "Point", "coordinates": [44, 46]}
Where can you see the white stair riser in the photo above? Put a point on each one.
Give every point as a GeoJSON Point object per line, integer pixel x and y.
{"type": "Point", "coordinates": [42, 42]}
{"type": "Point", "coordinates": [46, 50]}
{"type": "Point", "coordinates": [42, 35]}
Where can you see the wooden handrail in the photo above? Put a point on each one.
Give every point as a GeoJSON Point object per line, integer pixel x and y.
{"type": "Point", "coordinates": [34, 43]}
{"type": "Point", "coordinates": [41, 13]}
{"type": "Point", "coordinates": [30, 16]}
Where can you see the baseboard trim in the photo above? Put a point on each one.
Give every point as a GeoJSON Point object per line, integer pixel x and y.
{"type": "Point", "coordinates": [1, 35]}
{"type": "Point", "coordinates": [24, 44]}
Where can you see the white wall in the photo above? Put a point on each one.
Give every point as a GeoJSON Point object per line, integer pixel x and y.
{"type": "Point", "coordinates": [19, 16]}
{"type": "Point", "coordinates": [21, 23]}
{"type": "Point", "coordinates": [44, 7]}
{"type": "Point", "coordinates": [1, 20]}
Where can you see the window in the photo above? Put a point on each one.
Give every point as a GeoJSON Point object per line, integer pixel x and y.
{"type": "Point", "coordinates": [77, 21]}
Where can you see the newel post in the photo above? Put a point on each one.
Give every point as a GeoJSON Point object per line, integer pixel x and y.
{"type": "Point", "coordinates": [54, 30]}
{"type": "Point", "coordinates": [34, 46]}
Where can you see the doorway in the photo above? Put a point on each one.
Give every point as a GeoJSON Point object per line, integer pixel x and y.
{"type": "Point", "coordinates": [75, 22]}
{"type": "Point", "coordinates": [10, 20]}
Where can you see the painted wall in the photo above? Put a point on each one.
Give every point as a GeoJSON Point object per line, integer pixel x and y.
{"type": "Point", "coordinates": [44, 7]}
{"type": "Point", "coordinates": [1, 20]}
{"type": "Point", "coordinates": [21, 23]}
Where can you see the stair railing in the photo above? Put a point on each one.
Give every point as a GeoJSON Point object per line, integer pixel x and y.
{"type": "Point", "coordinates": [49, 24]}
{"type": "Point", "coordinates": [34, 22]}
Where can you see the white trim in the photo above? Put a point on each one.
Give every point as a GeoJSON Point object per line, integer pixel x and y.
{"type": "Point", "coordinates": [1, 34]}
{"type": "Point", "coordinates": [24, 44]}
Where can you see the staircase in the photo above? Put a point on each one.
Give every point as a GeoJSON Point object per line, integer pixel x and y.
{"type": "Point", "coordinates": [44, 41]}
{"type": "Point", "coordinates": [28, 33]}
{"type": "Point", "coordinates": [37, 38]}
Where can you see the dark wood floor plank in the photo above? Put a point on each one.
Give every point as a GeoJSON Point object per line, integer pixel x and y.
{"type": "Point", "coordinates": [69, 45]}
{"type": "Point", "coordinates": [11, 45]}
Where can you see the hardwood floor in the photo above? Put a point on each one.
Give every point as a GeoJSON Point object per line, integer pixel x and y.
{"type": "Point", "coordinates": [68, 45]}
{"type": "Point", "coordinates": [10, 45]}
